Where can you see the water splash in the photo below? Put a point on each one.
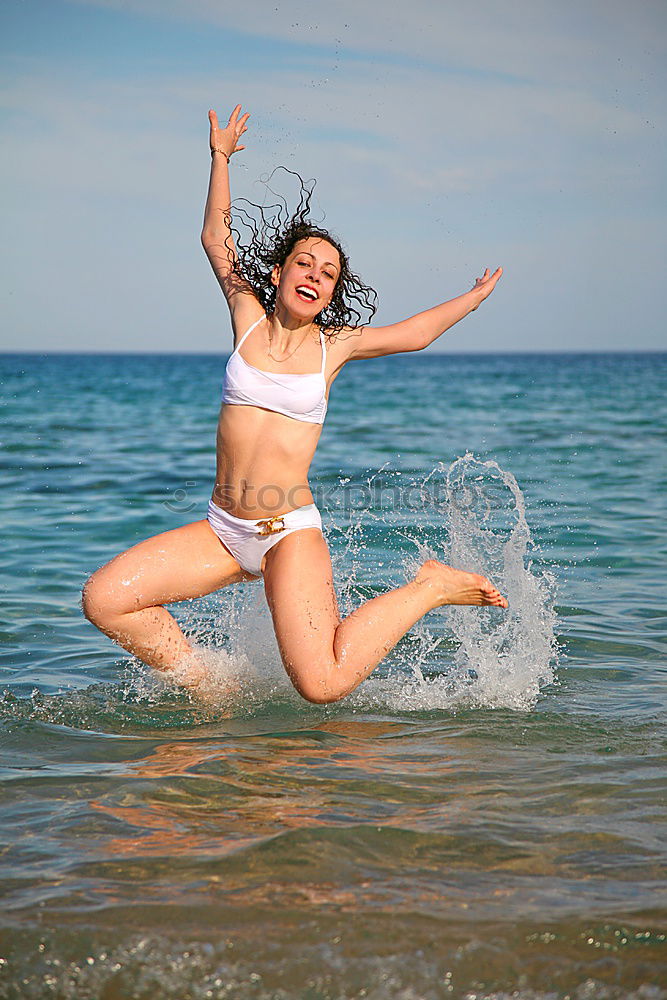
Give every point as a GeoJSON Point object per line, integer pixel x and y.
{"type": "Point", "coordinates": [455, 657]}
{"type": "Point", "coordinates": [489, 658]}
{"type": "Point", "coordinates": [511, 652]}
{"type": "Point", "coordinates": [473, 516]}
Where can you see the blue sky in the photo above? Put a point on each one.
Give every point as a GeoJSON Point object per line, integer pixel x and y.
{"type": "Point", "coordinates": [444, 137]}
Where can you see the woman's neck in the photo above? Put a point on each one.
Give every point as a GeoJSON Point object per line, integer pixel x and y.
{"type": "Point", "coordinates": [284, 342]}
{"type": "Point", "coordinates": [285, 329]}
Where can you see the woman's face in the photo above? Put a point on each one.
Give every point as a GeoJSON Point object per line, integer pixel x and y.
{"type": "Point", "coordinates": [307, 280]}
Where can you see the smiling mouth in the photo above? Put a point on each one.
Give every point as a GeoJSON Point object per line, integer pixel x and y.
{"type": "Point", "coordinates": [307, 294]}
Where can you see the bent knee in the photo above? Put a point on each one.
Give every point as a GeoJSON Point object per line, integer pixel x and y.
{"type": "Point", "coordinates": [320, 697]}
{"type": "Point", "coordinates": [320, 689]}
{"type": "Point", "coordinates": [97, 602]}
{"type": "Point", "coordinates": [91, 603]}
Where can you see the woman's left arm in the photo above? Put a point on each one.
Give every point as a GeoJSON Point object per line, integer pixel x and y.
{"type": "Point", "coordinates": [417, 332]}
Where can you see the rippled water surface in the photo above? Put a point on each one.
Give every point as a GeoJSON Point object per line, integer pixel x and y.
{"type": "Point", "coordinates": [484, 817]}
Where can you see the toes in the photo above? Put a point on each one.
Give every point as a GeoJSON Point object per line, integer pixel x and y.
{"type": "Point", "coordinates": [492, 594]}
{"type": "Point", "coordinates": [495, 598]}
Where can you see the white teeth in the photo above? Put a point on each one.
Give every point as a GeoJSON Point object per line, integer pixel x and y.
{"type": "Point", "coordinates": [307, 292]}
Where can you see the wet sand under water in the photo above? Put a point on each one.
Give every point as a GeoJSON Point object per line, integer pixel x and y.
{"type": "Point", "coordinates": [361, 857]}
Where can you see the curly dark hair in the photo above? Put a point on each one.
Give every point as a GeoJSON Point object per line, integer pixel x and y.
{"type": "Point", "coordinates": [265, 237]}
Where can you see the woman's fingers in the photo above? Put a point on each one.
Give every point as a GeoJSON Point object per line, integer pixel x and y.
{"type": "Point", "coordinates": [234, 128]}
{"type": "Point", "coordinates": [234, 115]}
{"type": "Point", "coordinates": [487, 282]}
{"type": "Point", "coordinates": [241, 126]}
{"type": "Point", "coordinates": [487, 276]}
{"type": "Point", "coordinates": [233, 119]}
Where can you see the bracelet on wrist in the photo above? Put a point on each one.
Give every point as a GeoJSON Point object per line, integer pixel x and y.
{"type": "Point", "coordinates": [215, 149]}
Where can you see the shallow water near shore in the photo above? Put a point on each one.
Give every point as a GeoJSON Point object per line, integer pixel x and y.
{"type": "Point", "coordinates": [484, 817]}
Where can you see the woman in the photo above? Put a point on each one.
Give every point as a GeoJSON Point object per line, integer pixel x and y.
{"type": "Point", "coordinates": [262, 520]}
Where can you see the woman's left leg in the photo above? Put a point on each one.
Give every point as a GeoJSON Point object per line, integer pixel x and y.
{"type": "Point", "coordinates": [126, 598]}
{"type": "Point", "coordinates": [325, 657]}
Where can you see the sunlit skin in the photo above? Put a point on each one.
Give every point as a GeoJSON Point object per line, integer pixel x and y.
{"type": "Point", "coordinates": [257, 447]}
{"type": "Point", "coordinates": [263, 460]}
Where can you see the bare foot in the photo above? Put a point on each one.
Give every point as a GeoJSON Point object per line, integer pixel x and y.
{"type": "Point", "coordinates": [189, 673]}
{"type": "Point", "coordinates": [202, 680]}
{"type": "Point", "coordinates": [456, 586]}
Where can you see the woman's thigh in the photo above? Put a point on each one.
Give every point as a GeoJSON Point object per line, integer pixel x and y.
{"type": "Point", "coordinates": [177, 565]}
{"type": "Point", "coordinates": [298, 580]}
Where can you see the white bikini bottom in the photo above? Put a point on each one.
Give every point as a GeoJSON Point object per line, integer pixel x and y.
{"type": "Point", "coordinates": [249, 541]}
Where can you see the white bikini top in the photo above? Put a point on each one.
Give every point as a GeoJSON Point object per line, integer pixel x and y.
{"type": "Point", "coordinates": [302, 397]}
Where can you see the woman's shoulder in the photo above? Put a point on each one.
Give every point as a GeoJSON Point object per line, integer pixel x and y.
{"type": "Point", "coordinates": [342, 338]}
{"type": "Point", "coordinates": [340, 344]}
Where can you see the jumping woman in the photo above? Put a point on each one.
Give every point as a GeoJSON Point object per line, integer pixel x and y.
{"type": "Point", "coordinates": [293, 316]}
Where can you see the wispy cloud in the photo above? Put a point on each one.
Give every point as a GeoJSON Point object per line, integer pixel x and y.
{"type": "Point", "coordinates": [459, 135]}
{"type": "Point", "coordinates": [535, 39]}
{"type": "Point", "coordinates": [465, 134]}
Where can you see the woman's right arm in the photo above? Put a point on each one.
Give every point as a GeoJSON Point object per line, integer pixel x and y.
{"type": "Point", "coordinates": [216, 234]}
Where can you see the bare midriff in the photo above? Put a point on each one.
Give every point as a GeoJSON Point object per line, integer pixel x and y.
{"type": "Point", "coordinates": [263, 460]}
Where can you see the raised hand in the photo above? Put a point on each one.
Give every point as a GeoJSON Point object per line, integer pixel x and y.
{"type": "Point", "coordinates": [225, 140]}
{"type": "Point", "coordinates": [485, 285]}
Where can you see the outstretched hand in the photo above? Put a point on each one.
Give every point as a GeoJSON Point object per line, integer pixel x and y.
{"type": "Point", "coordinates": [485, 285]}
{"type": "Point", "coordinates": [225, 140]}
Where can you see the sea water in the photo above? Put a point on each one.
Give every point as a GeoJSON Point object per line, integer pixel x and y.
{"type": "Point", "coordinates": [483, 817]}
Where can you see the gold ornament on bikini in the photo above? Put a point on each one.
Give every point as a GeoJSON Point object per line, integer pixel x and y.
{"type": "Point", "coordinates": [271, 526]}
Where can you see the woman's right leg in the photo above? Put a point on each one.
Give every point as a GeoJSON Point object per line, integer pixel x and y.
{"type": "Point", "coordinates": [125, 599]}
{"type": "Point", "coordinates": [325, 657]}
